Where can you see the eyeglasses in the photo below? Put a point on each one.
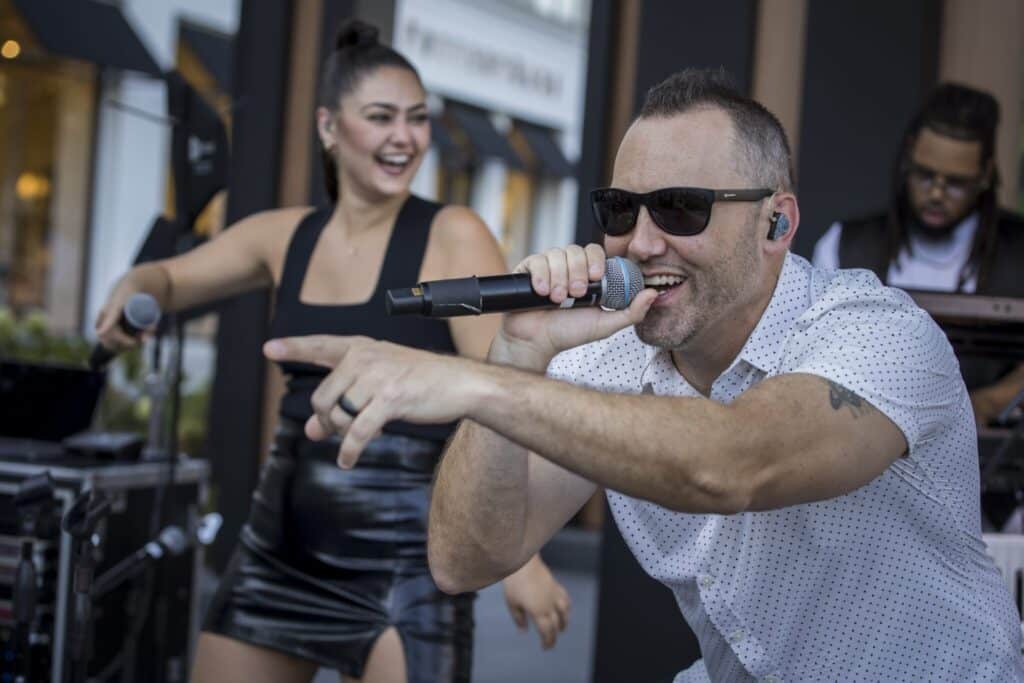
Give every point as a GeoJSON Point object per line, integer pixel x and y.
{"type": "Point", "coordinates": [680, 211]}
{"type": "Point", "coordinates": [956, 186]}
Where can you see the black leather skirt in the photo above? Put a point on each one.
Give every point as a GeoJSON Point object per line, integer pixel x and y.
{"type": "Point", "coordinates": [330, 558]}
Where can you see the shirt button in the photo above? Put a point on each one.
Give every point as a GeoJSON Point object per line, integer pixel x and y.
{"type": "Point", "coordinates": [738, 635]}
{"type": "Point", "coordinates": [706, 581]}
{"type": "Point", "coordinates": [772, 679]}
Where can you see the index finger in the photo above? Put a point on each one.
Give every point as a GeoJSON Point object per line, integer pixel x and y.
{"type": "Point", "coordinates": [319, 349]}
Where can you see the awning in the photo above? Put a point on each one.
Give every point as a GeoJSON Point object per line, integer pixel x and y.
{"type": "Point", "coordinates": [85, 29]}
{"type": "Point", "coordinates": [485, 139]}
{"type": "Point", "coordinates": [452, 156]}
{"type": "Point", "coordinates": [546, 150]}
{"type": "Point", "coordinates": [214, 50]}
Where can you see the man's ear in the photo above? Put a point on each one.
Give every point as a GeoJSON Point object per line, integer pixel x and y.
{"type": "Point", "coordinates": [783, 219]}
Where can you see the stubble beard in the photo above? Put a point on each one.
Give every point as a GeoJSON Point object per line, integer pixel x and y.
{"type": "Point", "coordinates": [712, 294]}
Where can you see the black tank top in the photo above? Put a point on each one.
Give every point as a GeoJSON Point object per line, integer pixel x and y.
{"type": "Point", "coordinates": [401, 267]}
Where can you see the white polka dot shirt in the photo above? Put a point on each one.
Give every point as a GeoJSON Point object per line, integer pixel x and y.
{"type": "Point", "coordinates": [890, 582]}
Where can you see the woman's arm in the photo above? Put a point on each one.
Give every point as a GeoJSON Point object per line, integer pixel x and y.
{"type": "Point", "coordinates": [239, 259]}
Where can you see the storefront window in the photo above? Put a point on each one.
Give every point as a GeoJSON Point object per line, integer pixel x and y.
{"type": "Point", "coordinates": [47, 119]}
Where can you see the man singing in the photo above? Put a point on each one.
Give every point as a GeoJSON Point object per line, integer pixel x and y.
{"type": "Point", "coordinates": [791, 451]}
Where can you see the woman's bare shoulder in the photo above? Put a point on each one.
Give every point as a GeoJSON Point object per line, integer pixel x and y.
{"type": "Point", "coordinates": [458, 224]}
{"type": "Point", "coordinates": [464, 243]}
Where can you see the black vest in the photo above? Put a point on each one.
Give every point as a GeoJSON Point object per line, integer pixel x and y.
{"type": "Point", "coordinates": [862, 244]}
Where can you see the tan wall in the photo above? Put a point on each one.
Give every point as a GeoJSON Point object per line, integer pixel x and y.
{"type": "Point", "coordinates": [623, 78]}
{"type": "Point", "coordinates": [983, 46]}
{"type": "Point", "coordinates": [779, 62]}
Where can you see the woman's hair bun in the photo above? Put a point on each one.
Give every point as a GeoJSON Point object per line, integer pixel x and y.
{"type": "Point", "coordinates": [356, 33]}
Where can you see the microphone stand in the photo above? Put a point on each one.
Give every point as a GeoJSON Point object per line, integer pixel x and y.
{"type": "Point", "coordinates": [80, 522]}
{"type": "Point", "coordinates": [162, 444]}
{"type": "Point", "coordinates": [35, 505]}
{"type": "Point", "coordinates": [133, 565]}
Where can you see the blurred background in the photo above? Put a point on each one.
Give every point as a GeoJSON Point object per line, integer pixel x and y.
{"type": "Point", "coordinates": [529, 99]}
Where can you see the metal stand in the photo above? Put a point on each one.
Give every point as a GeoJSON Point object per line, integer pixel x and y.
{"type": "Point", "coordinates": [36, 507]}
{"type": "Point", "coordinates": [80, 522]}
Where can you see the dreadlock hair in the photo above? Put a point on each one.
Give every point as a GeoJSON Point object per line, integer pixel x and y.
{"type": "Point", "coordinates": [357, 53]}
{"type": "Point", "coordinates": [962, 113]}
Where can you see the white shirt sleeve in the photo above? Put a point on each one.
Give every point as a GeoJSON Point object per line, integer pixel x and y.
{"type": "Point", "coordinates": [826, 250]}
{"type": "Point", "coordinates": [889, 352]}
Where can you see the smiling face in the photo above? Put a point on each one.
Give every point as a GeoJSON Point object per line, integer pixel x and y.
{"type": "Point", "coordinates": [379, 133]}
{"type": "Point", "coordinates": [711, 282]}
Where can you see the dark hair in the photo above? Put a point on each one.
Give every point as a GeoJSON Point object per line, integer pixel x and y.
{"type": "Point", "coordinates": [760, 139]}
{"type": "Point", "coordinates": [963, 113]}
{"type": "Point", "coordinates": [357, 53]}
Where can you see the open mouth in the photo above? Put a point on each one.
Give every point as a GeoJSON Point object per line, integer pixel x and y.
{"type": "Point", "coordinates": [665, 284]}
{"type": "Point", "coordinates": [394, 164]}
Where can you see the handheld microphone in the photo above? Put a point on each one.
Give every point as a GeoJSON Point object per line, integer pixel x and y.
{"type": "Point", "coordinates": [621, 283]}
{"type": "Point", "coordinates": [141, 313]}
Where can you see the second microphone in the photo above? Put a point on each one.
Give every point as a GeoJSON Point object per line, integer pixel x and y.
{"type": "Point", "coordinates": [621, 283]}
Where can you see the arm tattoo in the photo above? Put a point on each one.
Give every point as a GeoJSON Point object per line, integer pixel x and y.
{"type": "Point", "coordinates": [838, 396]}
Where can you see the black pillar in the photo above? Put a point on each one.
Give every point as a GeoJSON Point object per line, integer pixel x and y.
{"type": "Point", "coordinates": [590, 171]}
{"type": "Point", "coordinates": [675, 34]}
{"type": "Point", "coordinates": [236, 401]}
{"type": "Point", "coordinates": [868, 66]}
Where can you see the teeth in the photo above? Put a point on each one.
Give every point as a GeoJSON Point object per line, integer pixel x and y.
{"type": "Point", "coordinates": [663, 280]}
{"type": "Point", "coordinates": [395, 158]}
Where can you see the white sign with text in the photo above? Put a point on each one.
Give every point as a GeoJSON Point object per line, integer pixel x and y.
{"type": "Point", "coordinates": [484, 58]}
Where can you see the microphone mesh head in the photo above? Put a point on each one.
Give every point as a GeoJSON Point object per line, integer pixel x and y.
{"type": "Point", "coordinates": [174, 540]}
{"type": "Point", "coordinates": [621, 283]}
{"type": "Point", "coordinates": [142, 311]}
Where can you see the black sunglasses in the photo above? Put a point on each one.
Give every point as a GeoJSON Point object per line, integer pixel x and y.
{"type": "Point", "coordinates": [681, 211]}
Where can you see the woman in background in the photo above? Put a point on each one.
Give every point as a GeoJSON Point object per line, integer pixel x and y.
{"type": "Point", "coordinates": [331, 566]}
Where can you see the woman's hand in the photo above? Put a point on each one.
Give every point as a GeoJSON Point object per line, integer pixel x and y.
{"type": "Point", "coordinates": [533, 593]}
{"type": "Point", "coordinates": [108, 331]}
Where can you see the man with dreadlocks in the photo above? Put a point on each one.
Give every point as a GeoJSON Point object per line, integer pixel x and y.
{"type": "Point", "coordinates": [944, 229]}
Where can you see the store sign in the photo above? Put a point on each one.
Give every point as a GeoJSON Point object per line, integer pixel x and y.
{"type": "Point", "coordinates": [488, 58]}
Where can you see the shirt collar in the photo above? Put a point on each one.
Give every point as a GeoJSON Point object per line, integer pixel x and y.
{"type": "Point", "coordinates": [764, 346]}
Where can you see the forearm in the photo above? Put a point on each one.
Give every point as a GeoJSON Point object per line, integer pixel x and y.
{"type": "Point", "coordinates": [478, 518]}
{"type": "Point", "coordinates": [153, 279]}
{"type": "Point", "coordinates": [683, 453]}
{"type": "Point", "coordinates": [1001, 392]}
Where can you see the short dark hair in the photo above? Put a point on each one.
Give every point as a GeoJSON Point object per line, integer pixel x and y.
{"type": "Point", "coordinates": [761, 140]}
{"type": "Point", "coordinates": [357, 53]}
{"type": "Point", "coordinates": [963, 113]}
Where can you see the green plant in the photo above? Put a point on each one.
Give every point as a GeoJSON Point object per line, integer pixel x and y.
{"type": "Point", "coordinates": [29, 338]}
{"type": "Point", "coordinates": [124, 406]}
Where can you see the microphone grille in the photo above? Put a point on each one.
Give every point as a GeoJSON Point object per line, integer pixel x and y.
{"type": "Point", "coordinates": [142, 311]}
{"type": "Point", "coordinates": [621, 283]}
{"type": "Point", "coordinates": [174, 539]}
